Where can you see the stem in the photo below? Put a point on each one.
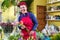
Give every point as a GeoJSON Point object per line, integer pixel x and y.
{"type": "Point", "coordinates": [0, 13]}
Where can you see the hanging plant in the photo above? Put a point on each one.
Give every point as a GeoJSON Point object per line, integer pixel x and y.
{"type": "Point", "coordinates": [29, 4]}
{"type": "Point", "coordinates": [56, 37]}
{"type": "Point", "coordinates": [7, 3]}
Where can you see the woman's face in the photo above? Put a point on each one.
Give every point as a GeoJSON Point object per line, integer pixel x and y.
{"type": "Point", "coordinates": [23, 8]}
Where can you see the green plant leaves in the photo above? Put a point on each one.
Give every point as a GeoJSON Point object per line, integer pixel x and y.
{"type": "Point", "coordinates": [29, 4]}
{"type": "Point", "coordinates": [13, 37]}
{"type": "Point", "coordinates": [7, 3]}
{"type": "Point", "coordinates": [13, 2]}
{"type": "Point", "coordinates": [56, 37]}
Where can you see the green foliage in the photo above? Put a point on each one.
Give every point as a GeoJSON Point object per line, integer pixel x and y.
{"type": "Point", "coordinates": [29, 4]}
{"type": "Point", "coordinates": [56, 37]}
{"type": "Point", "coordinates": [7, 3]}
{"type": "Point", "coordinates": [0, 30]}
{"type": "Point", "coordinates": [14, 37]}
{"type": "Point", "coordinates": [13, 2]}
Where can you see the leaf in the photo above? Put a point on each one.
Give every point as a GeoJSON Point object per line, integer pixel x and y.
{"type": "Point", "coordinates": [8, 3]}
{"type": "Point", "coordinates": [13, 2]}
{"type": "Point", "coordinates": [29, 4]}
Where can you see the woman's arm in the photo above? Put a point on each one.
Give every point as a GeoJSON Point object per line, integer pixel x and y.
{"type": "Point", "coordinates": [34, 19]}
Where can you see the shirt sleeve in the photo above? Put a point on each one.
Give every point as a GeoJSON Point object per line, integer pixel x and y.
{"type": "Point", "coordinates": [19, 18]}
{"type": "Point", "coordinates": [34, 19]}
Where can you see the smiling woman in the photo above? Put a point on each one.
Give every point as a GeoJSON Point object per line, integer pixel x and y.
{"type": "Point", "coordinates": [29, 21]}
{"type": "Point", "coordinates": [28, 2]}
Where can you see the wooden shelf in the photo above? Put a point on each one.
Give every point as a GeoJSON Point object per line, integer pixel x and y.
{"type": "Point", "coordinates": [54, 2]}
{"type": "Point", "coordinates": [53, 19]}
{"type": "Point", "coordinates": [54, 11]}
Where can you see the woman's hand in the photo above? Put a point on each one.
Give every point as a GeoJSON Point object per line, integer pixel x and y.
{"type": "Point", "coordinates": [21, 34]}
{"type": "Point", "coordinates": [15, 23]}
{"type": "Point", "coordinates": [23, 27]}
{"type": "Point", "coordinates": [32, 32]}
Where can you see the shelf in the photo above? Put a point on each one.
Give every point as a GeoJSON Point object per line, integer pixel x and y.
{"type": "Point", "coordinates": [53, 19]}
{"type": "Point", "coordinates": [54, 2]}
{"type": "Point", "coordinates": [54, 11]}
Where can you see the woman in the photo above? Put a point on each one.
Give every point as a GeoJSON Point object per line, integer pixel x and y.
{"type": "Point", "coordinates": [28, 20]}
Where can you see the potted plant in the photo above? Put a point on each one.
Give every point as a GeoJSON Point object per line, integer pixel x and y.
{"type": "Point", "coordinates": [7, 3]}
{"type": "Point", "coordinates": [14, 37]}
{"type": "Point", "coordinates": [56, 37]}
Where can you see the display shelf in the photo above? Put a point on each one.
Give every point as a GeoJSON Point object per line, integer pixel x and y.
{"type": "Point", "coordinates": [53, 19]}
{"type": "Point", "coordinates": [54, 11]}
{"type": "Point", "coordinates": [53, 2]}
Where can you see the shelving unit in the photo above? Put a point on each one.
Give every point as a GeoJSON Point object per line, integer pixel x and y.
{"type": "Point", "coordinates": [53, 2]}
{"type": "Point", "coordinates": [53, 19]}
{"type": "Point", "coordinates": [53, 10]}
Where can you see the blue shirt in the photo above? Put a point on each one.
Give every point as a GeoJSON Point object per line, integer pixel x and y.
{"type": "Point", "coordinates": [33, 18]}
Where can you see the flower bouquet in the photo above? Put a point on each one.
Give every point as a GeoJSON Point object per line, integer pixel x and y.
{"type": "Point", "coordinates": [31, 38]}
{"type": "Point", "coordinates": [20, 25]}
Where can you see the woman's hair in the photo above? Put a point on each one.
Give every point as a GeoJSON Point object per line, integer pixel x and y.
{"type": "Point", "coordinates": [22, 3]}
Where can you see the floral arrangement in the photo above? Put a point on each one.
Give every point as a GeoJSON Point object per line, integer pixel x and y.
{"type": "Point", "coordinates": [22, 25]}
{"type": "Point", "coordinates": [31, 38]}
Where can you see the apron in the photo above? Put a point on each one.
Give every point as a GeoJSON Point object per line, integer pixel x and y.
{"type": "Point", "coordinates": [28, 24]}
